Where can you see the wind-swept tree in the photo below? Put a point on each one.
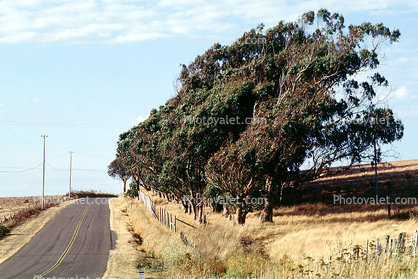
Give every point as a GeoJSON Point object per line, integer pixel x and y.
{"type": "Point", "coordinates": [299, 83]}
{"type": "Point", "coordinates": [308, 77]}
{"type": "Point", "coordinates": [118, 169]}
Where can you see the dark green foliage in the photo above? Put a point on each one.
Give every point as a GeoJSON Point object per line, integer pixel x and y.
{"type": "Point", "coordinates": [133, 190]}
{"type": "Point", "coordinates": [288, 79]}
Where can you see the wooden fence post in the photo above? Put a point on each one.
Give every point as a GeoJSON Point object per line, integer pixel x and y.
{"type": "Point", "coordinates": [387, 243]}
{"type": "Point", "coordinates": [175, 224]}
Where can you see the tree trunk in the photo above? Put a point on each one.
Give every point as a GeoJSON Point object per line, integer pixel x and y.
{"type": "Point", "coordinates": [240, 216]}
{"type": "Point", "coordinates": [194, 207]}
{"type": "Point", "coordinates": [199, 216]}
{"type": "Point", "coordinates": [124, 186]}
{"type": "Point", "coordinates": [225, 211]}
{"type": "Point", "coordinates": [185, 206]}
{"type": "Point", "coordinates": [267, 215]}
{"type": "Point", "coordinates": [197, 213]}
{"type": "Point", "coordinates": [137, 184]}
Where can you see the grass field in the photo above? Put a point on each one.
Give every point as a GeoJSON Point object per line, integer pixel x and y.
{"type": "Point", "coordinates": [311, 230]}
{"type": "Point", "coordinates": [12, 205]}
{"type": "Point", "coordinates": [396, 179]}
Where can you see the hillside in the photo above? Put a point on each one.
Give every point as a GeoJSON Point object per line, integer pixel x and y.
{"type": "Point", "coordinates": [397, 179]}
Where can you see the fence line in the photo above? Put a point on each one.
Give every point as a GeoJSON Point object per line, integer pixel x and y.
{"type": "Point", "coordinates": [172, 198]}
{"type": "Point", "coordinates": [375, 250]}
{"type": "Point", "coordinates": [148, 203]}
{"type": "Point", "coordinates": [168, 220]}
{"type": "Point", "coordinates": [164, 218]}
{"type": "Point", "coordinates": [186, 223]}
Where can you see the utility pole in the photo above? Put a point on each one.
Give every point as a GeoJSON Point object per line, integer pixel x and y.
{"type": "Point", "coordinates": [69, 191]}
{"type": "Point", "coordinates": [43, 176]}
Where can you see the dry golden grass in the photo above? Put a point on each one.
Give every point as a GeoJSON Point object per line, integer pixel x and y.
{"type": "Point", "coordinates": [396, 179]}
{"type": "Point", "coordinates": [140, 241]}
{"type": "Point", "coordinates": [121, 262]}
{"type": "Point", "coordinates": [277, 250]}
{"type": "Point", "coordinates": [323, 235]}
{"type": "Point", "coordinates": [300, 236]}
{"type": "Point", "coordinates": [12, 205]}
{"type": "Point", "coordinates": [314, 229]}
{"type": "Point", "coordinates": [386, 170]}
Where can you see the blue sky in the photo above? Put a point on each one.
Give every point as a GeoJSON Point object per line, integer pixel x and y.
{"type": "Point", "coordinates": [82, 72]}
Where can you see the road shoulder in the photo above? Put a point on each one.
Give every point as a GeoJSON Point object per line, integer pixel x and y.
{"type": "Point", "coordinates": [121, 262]}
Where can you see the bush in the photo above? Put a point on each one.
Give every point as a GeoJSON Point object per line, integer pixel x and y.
{"type": "Point", "coordinates": [132, 191]}
{"type": "Point", "coordinates": [4, 231]}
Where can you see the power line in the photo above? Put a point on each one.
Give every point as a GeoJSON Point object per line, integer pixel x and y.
{"type": "Point", "coordinates": [76, 169]}
{"type": "Point", "coordinates": [55, 167]}
{"type": "Point", "coordinates": [99, 171]}
{"type": "Point", "coordinates": [87, 125]}
{"type": "Point", "coordinates": [15, 135]}
{"type": "Point", "coordinates": [25, 170]}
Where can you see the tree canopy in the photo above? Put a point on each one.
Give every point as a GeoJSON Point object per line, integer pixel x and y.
{"type": "Point", "coordinates": [249, 115]}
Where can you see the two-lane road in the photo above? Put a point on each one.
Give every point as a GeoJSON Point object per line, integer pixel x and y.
{"type": "Point", "coordinates": [75, 243]}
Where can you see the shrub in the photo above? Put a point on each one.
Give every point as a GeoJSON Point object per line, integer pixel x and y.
{"type": "Point", "coordinates": [132, 191]}
{"type": "Point", "coordinates": [4, 231]}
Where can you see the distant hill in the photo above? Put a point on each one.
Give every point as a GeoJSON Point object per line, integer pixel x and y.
{"type": "Point", "coordinates": [397, 179]}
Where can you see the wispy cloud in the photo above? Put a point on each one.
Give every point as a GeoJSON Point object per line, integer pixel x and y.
{"type": "Point", "coordinates": [140, 119]}
{"type": "Point", "coordinates": [135, 20]}
{"type": "Point", "coordinates": [402, 92]}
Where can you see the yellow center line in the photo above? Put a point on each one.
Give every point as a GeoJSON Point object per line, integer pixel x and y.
{"type": "Point", "coordinates": [66, 249]}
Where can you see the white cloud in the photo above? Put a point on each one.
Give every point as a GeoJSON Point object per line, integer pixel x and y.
{"type": "Point", "coordinates": [140, 119]}
{"type": "Point", "coordinates": [148, 20]}
{"type": "Point", "coordinates": [402, 92]}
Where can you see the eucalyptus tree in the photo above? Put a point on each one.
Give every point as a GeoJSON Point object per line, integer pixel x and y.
{"type": "Point", "coordinates": [299, 84]}
{"type": "Point", "coordinates": [308, 93]}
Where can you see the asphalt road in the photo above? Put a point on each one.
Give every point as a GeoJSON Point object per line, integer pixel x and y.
{"type": "Point", "coordinates": [74, 244]}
